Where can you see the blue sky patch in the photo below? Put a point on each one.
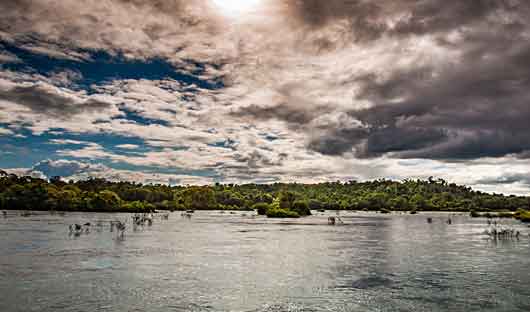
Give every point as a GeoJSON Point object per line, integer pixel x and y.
{"type": "Point", "coordinates": [23, 152]}
{"type": "Point", "coordinates": [102, 68]}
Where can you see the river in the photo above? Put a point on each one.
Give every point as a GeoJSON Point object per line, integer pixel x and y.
{"type": "Point", "coordinates": [217, 261]}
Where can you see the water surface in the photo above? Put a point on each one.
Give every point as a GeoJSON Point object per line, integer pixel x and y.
{"type": "Point", "coordinates": [217, 261]}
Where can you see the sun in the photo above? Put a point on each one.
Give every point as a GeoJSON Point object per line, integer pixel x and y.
{"type": "Point", "coordinates": [236, 7]}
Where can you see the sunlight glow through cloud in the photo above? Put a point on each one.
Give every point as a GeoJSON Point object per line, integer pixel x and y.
{"type": "Point", "coordinates": [236, 7]}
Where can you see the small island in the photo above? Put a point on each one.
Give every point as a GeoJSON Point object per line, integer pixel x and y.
{"type": "Point", "coordinates": [276, 200]}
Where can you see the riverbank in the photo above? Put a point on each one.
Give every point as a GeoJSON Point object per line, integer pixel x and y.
{"type": "Point", "coordinates": [521, 215]}
{"type": "Point", "coordinates": [274, 200]}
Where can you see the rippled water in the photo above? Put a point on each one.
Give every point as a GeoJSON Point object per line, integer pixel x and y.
{"type": "Point", "coordinates": [236, 262]}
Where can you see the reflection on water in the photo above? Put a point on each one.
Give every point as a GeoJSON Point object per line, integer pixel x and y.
{"type": "Point", "coordinates": [235, 262]}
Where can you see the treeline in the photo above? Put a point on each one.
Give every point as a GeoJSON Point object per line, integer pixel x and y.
{"type": "Point", "coordinates": [288, 200]}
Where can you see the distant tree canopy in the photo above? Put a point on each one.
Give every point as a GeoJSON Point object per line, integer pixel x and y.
{"type": "Point", "coordinates": [27, 193]}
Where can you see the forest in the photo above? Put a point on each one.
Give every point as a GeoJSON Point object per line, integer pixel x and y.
{"type": "Point", "coordinates": [274, 200]}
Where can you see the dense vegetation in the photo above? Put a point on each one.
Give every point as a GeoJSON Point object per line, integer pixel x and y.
{"type": "Point", "coordinates": [273, 200]}
{"type": "Point", "coordinates": [522, 215]}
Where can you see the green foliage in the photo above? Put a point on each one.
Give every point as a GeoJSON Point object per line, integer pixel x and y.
{"type": "Point", "coordinates": [400, 203]}
{"type": "Point", "coordinates": [286, 199]}
{"type": "Point", "coordinates": [138, 207]}
{"type": "Point", "coordinates": [491, 215]}
{"type": "Point", "coordinates": [504, 214]}
{"type": "Point", "coordinates": [198, 198]}
{"type": "Point", "coordinates": [231, 199]}
{"type": "Point", "coordinates": [523, 215]}
{"type": "Point", "coordinates": [104, 201]}
{"type": "Point", "coordinates": [27, 193]}
{"type": "Point", "coordinates": [288, 204]}
{"type": "Point", "coordinates": [261, 208]}
{"type": "Point", "coordinates": [282, 213]}
{"type": "Point", "coordinates": [301, 207]}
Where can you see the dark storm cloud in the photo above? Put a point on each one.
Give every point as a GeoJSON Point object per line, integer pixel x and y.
{"type": "Point", "coordinates": [362, 16]}
{"type": "Point", "coordinates": [479, 109]}
{"type": "Point", "coordinates": [369, 20]}
{"type": "Point", "coordinates": [45, 100]}
{"type": "Point", "coordinates": [476, 106]}
{"type": "Point", "coordinates": [440, 16]}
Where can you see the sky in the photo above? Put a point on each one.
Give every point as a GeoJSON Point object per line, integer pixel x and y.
{"type": "Point", "coordinates": [262, 91]}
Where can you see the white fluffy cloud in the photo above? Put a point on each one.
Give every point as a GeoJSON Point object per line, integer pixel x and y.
{"type": "Point", "coordinates": [4, 131]}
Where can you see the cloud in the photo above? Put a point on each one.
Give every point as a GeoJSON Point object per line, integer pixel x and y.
{"type": "Point", "coordinates": [89, 151]}
{"type": "Point", "coordinates": [368, 20]}
{"type": "Point", "coordinates": [64, 168]}
{"type": "Point", "coordinates": [48, 100]}
{"type": "Point", "coordinates": [523, 178]}
{"type": "Point", "coordinates": [67, 142]}
{"type": "Point", "coordinates": [25, 172]}
{"type": "Point", "coordinates": [76, 170]}
{"type": "Point", "coordinates": [65, 78]}
{"type": "Point", "coordinates": [4, 131]}
{"type": "Point", "coordinates": [476, 110]}
{"type": "Point", "coordinates": [153, 28]}
{"type": "Point", "coordinates": [55, 51]}
{"type": "Point", "coordinates": [7, 57]}
{"type": "Point", "coordinates": [128, 146]}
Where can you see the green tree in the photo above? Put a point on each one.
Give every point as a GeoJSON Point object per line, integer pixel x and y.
{"type": "Point", "coordinates": [105, 201]}
{"type": "Point", "coordinates": [199, 198]}
{"type": "Point", "coordinates": [301, 207]}
{"type": "Point", "coordinates": [261, 208]}
{"type": "Point", "coordinates": [286, 199]}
